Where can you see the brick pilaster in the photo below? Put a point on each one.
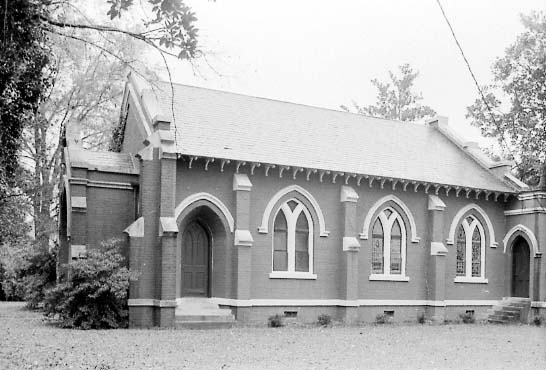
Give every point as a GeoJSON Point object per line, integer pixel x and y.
{"type": "Point", "coordinates": [351, 247]}
{"type": "Point", "coordinates": [435, 278]}
{"type": "Point", "coordinates": [242, 241]}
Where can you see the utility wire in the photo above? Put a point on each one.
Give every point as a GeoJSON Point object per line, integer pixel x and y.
{"type": "Point", "coordinates": [482, 95]}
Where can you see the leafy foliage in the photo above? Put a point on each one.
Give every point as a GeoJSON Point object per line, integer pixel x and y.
{"type": "Point", "coordinates": [275, 321]}
{"type": "Point", "coordinates": [383, 318]}
{"type": "Point", "coordinates": [395, 99]}
{"type": "Point", "coordinates": [516, 116]}
{"type": "Point", "coordinates": [324, 319]}
{"type": "Point", "coordinates": [29, 270]}
{"type": "Point", "coordinates": [24, 58]}
{"type": "Point", "coordinates": [467, 317]}
{"type": "Point", "coordinates": [94, 292]}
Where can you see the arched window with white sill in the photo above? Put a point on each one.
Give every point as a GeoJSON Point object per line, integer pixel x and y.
{"type": "Point", "coordinates": [389, 247]}
{"type": "Point", "coordinates": [292, 249]}
{"type": "Point", "coordinates": [470, 252]}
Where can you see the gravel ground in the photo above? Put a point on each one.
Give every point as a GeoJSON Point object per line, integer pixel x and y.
{"type": "Point", "coordinates": [27, 342]}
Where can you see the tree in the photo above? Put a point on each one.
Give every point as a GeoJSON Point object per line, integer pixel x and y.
{"type": "Point", "coordinates": [395, 99]}
{"type": "Point", "coordinates": [26, 27]}
{"type": "Point", "coordinates": [512, 109]}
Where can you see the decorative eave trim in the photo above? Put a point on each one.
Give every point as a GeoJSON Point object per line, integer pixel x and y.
{"type": "Point", "coordinates": [390, 198]}
{"type": "Point", "coordinates": [351, 177]}
{"type": "Point", "coordinates": [451, 236]}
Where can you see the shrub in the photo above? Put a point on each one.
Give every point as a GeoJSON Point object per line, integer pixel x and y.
{"type": "Point", "coordinates": [29, 270]}
{"type": "Point", "coordinates": [421, 319]}
{"type": "Point", "coordinates": [324, 319]}
{"type": "Point", "coordinates": [94, 292]}
{"type": "Point", "coordinates": [275, 321]}
{"type": "Point", "coordinates": [383, 318]}
{"type": "Point", "coordinates": [467, 318]}
{"type": "Point", "coordinates": [538, 320]}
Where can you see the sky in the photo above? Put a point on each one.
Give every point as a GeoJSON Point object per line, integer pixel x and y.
{"type": "Point", "coordinates": [324, 53]}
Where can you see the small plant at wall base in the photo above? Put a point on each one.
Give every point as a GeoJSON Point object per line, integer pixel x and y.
{"type": "Point", "coordinates": [383, 318]}
{"type": "Point", "coordinates": [421, 319]}
{"type": "Point", "coordinates": [94, 292]}
{"type": "Point", "coordinates": [467, 318]}
{"type": "Point", "coordinates": [538, 320]}
{"type": "Point", "coordinates": [275, 321]}
{"type": "Point", "coordinates": [324, 320]}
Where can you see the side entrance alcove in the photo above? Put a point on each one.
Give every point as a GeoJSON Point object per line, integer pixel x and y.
{"type": "Point", "coordinates": [204, 248]}
{"type": "Point", "coordinates": [523, 263]}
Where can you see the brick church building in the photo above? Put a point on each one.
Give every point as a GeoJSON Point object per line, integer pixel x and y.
{"type": "Point", "coordinates": [257, 207]}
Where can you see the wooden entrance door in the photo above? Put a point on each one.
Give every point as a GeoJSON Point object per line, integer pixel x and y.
{"type": "Point", "coordinates": [520, 269]}
{"type": "Point", "coordinates": [195, 261]}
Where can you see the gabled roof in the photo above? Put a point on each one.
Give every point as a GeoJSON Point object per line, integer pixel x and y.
{"type": "Point", "coordinates": [210, 123]}
{"type": "Point", "coordinates": [102, 161]}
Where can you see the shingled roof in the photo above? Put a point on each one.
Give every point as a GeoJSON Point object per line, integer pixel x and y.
{"type": "Point", "coordinates": [210, 123]}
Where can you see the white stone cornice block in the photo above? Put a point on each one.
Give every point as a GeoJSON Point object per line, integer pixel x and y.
{"type": "Point", "coordinates": [348, 194]}
{"type": "Point", "coordinates": [136, 229]}
{"type": "Point", "coordinates": [438, 249]}
{"type": "Point", "coordinates": [78, 203]}
{"type": "Point", "coordinates": [146, 154]}
{"type": "Point", "coordinates": [435, 203]}
{"type": "Point", "coordinates": [350, 243]}
{"type": "Point", "coordinates": [167, 225]}
{"type": "Point", "coordinates": [241, 182]}
{"type": "Point", "coordinates": [243, 238]}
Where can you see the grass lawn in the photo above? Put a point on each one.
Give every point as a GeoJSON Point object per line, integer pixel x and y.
{"type": "Point", "coordinates": [27, 342]}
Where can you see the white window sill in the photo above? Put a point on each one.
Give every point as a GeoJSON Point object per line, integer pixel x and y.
{"type": "Point", "coordinates": [378, 277]}
{"type": "Point", "coordinates": [470, 280]}
{"type": "Point", "coordinates": [292, 275]}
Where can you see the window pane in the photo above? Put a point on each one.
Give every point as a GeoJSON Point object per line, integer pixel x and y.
{"type": "Point", "coordinates": [292, 204]}
{"type": "Point", "coordinates": [280, 261]}
{"type": "Point", "coordinates": [396, 231]}
{"type": "Point", "coordinates": [461, 252]}
{"type": "Point", "coordinates": [396, 249]}
{"type": "Point", "coordinates": [302, 261]}
{"type": "Point", "coordinates": [280, 222]}
{"type": "Point", "coordinates": [301, 223]}
{"type": "Point", "coordinates": [388, 212]}
{"type": "Point", "coordinates": [377, 248]}
{"type": "Point", "coordinates": [476, 253]}
{"type": "Point", "coordinates": [280, 254]}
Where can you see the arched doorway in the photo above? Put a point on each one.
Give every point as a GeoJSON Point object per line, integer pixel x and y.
{"type": "Point", "coordinates": [195, 260]}
{"type": "Point", "coordinates": [520, 268]}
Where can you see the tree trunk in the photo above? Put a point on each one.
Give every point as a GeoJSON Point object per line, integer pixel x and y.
{"type": "Point", "coordinates": [542, 183]}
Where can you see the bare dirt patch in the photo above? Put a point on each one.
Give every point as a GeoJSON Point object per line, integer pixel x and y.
{"type": "Point", "coordinates": [27, 342]}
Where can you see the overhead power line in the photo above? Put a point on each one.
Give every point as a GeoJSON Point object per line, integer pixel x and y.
{"type": "Point", "coordinates": [480, 91]}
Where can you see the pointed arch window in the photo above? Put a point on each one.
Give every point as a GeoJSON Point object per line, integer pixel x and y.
{"type": "Point", "coordinates": [292, 242]}
{"type": "Point", "coordinates": [389, 247]}
{"type": "Point", "coordinates": [470, 260]}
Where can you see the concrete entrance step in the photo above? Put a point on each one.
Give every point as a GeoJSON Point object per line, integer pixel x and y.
{"type": "Point", "coordinates": [201, 313]}
{"type": "Point", "coordinates": [509, 310]}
